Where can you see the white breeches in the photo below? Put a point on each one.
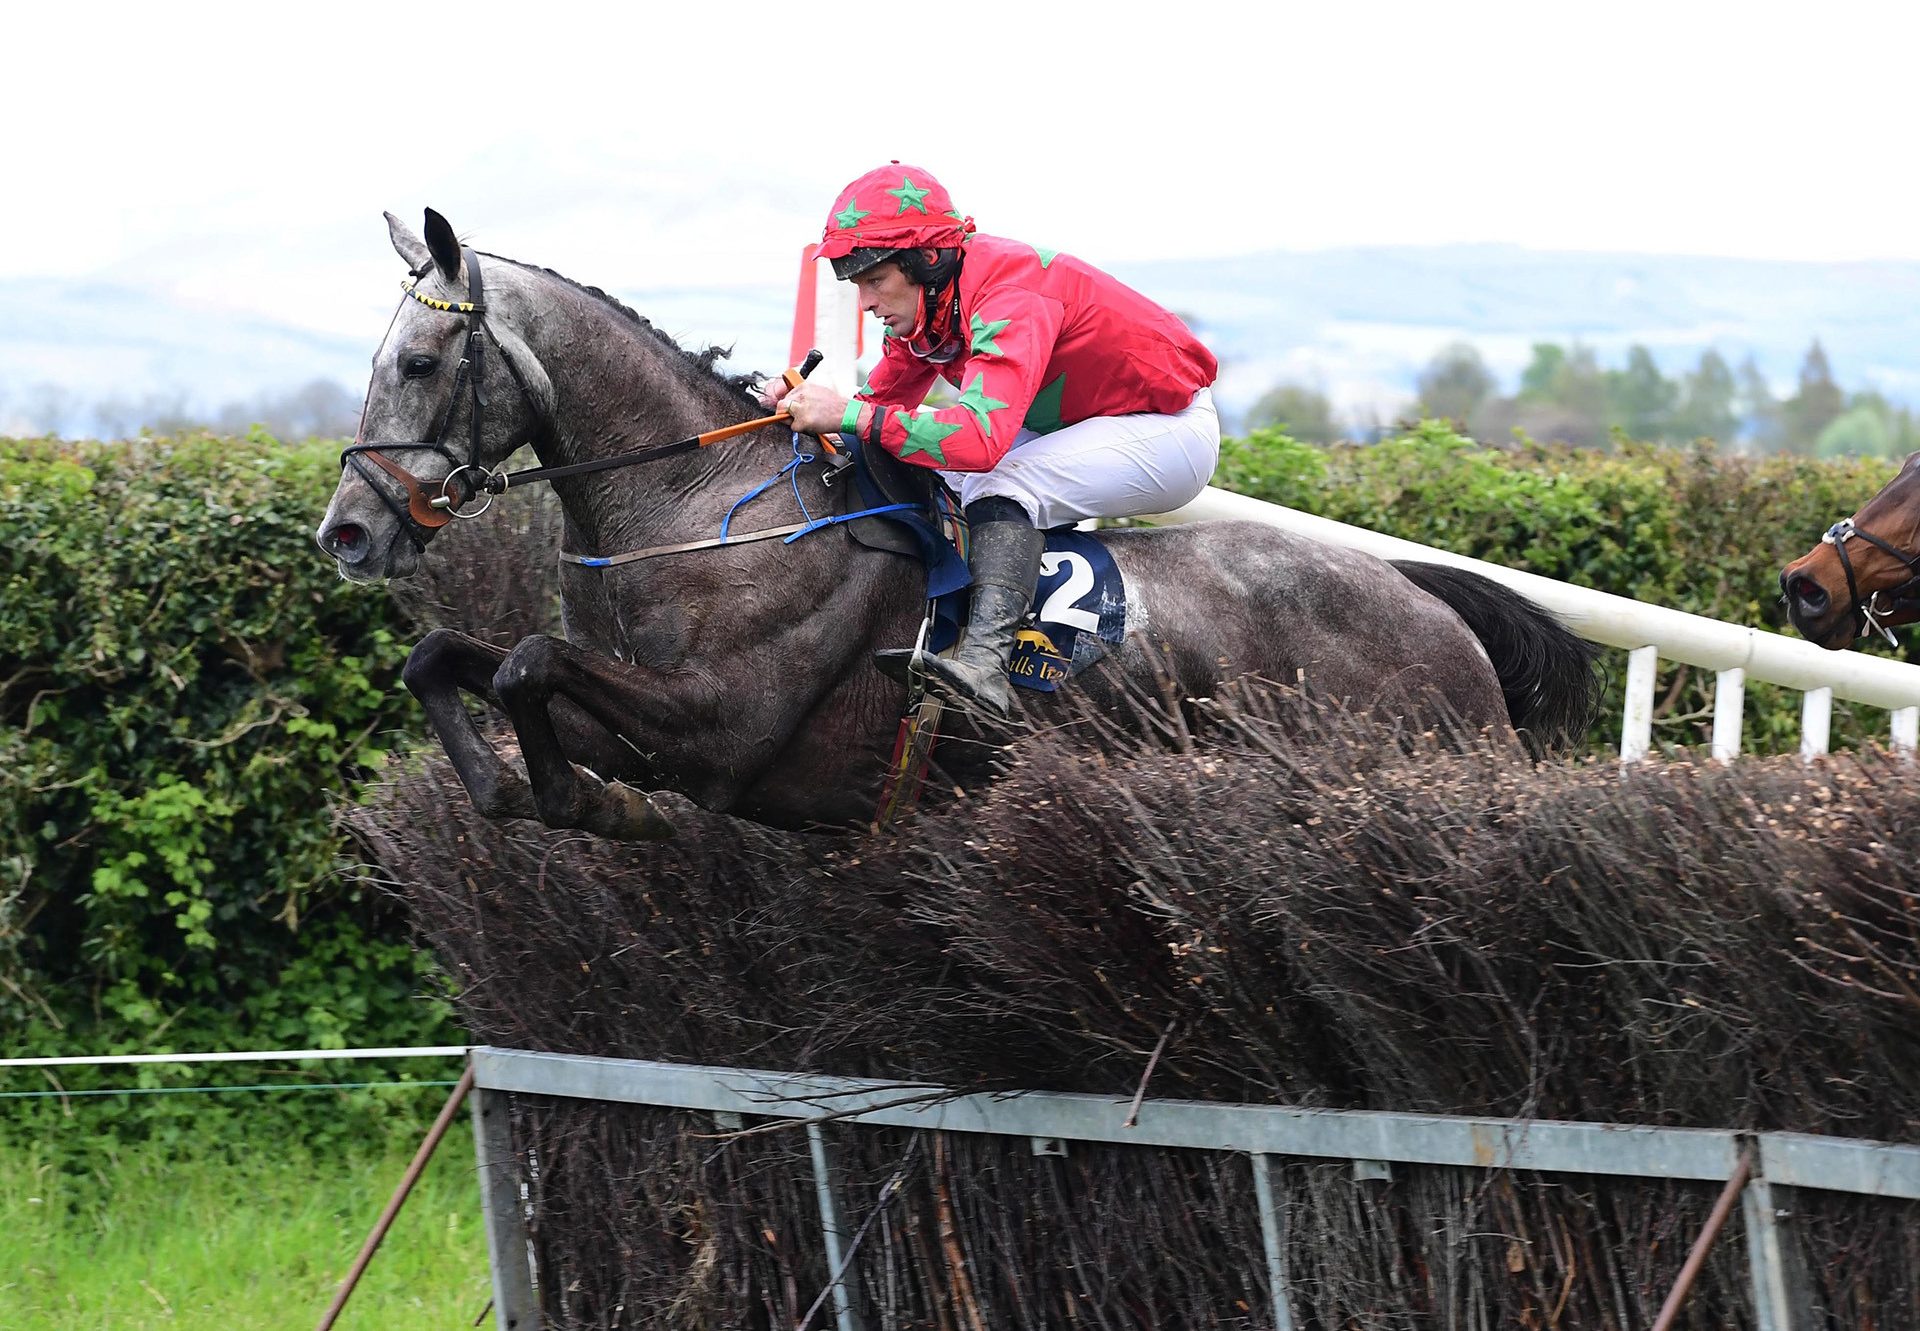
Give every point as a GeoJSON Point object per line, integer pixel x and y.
{"type": "Point", "coordinates": [1105, 467]}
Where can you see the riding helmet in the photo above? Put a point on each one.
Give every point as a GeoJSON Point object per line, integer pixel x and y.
{"type": "Point", "coordinates": [892, 208]}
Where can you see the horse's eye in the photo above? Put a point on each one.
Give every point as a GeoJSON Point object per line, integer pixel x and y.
{"type": "Point", "coordinates": [419, 367]}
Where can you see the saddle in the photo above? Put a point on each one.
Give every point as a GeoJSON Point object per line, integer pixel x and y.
{"type": "Point", "coordinates": [1079, 604]}
{"type": "Point", "coordinates": [926, 522]}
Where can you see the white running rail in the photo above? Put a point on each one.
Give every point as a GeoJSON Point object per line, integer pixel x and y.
{"type": "Point", "coordinates": [1649, 633]}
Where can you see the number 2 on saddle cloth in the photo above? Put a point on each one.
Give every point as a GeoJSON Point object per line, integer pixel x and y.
{"type": "Point", "coordinates": [1079, 604]}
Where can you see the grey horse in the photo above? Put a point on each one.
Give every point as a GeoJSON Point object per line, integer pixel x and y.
{"type": "Point", "coordinates": [741, 676]}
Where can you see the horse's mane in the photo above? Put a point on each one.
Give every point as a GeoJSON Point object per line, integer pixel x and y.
{"type": "Point", "coordinates": [702, 361]}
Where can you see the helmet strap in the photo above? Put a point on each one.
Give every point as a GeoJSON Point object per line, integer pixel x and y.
{"type": "Point", "coordinates": [935, 336]}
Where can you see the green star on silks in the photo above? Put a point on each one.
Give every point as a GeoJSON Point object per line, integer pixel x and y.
{"type": "Point", "coordinates": [1046, 256]}
{"type": "Point", "coordinates": [910, 196]}
{"type": "Point", "coordinates": [984, 331]}
{"type": "Point", "coordinates": [924, 435]}
{"type": "Point", "coordinates": [851, 218]}
{"type": "Point", "coordinates": [975, 400]}
{"type": "Point", "coordinates": [1043, 417]}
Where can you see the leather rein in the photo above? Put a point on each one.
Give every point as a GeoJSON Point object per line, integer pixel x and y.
{"type": "Point", "coordinates": [1868, 614]}
{"type": "Point", "coordinates": [425, 512]}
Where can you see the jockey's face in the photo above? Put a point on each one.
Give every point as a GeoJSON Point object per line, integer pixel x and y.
{"type": "Point", "coordinates": [887, 295]}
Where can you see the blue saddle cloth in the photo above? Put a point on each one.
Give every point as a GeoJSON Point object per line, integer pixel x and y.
{"type": "Point", "coordinates": [1079, 606]}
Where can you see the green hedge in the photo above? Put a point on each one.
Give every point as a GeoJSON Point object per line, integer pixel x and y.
{"type": "Point", "coordinates": [187, 687]}
{"type": "Point", "coordinates": [1689, 528]}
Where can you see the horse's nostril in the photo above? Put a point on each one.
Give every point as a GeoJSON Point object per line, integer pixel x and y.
{"type": "Point", "coordinates": [1810, 595]}
{"type": "Point", "coordinates": [347, 541]}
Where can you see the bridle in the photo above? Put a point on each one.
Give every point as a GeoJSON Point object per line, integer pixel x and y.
{"type": "Point", "coordinates": [424, 512]}
{"type": "Point", "coordinates": [1868, 614]}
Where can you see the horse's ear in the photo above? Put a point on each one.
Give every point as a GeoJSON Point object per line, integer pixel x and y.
{"type": "Point", "coordinates": [407, 245]}
{"type": "Point", "coordinates": [444, 245]}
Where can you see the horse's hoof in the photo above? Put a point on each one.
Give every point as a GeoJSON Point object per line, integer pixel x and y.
{"type": "Point", "coordinates": [634, 816]}
{"type": "Point", "coordinates": [508, 797]}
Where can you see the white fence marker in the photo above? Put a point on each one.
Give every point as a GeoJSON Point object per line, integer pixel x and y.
{"type": "Point", "coordinates": [1816, 722]}
{"type": "Point", "coordinates": [1636, 733]}
{"type": "Point", "coordinates": [1729, 704]}
{"type": "Point", "coordinates": [1906, 731]}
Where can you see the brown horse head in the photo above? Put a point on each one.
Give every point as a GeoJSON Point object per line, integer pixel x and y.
{"type": "Point", "coordinates": [1864, 576]}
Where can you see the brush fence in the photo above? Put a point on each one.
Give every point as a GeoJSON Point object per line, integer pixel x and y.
{"type": "Point", "coordinates": [1648, 633]}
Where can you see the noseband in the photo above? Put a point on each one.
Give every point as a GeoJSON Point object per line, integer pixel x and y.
{"type": "Point", "coordinates": [1867, 614]}
{"type": "Point", "coordinates": [425, 513]}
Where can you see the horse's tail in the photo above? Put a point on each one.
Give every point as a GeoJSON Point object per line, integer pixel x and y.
{"type": "Point", "coordinates": [1550, 677]}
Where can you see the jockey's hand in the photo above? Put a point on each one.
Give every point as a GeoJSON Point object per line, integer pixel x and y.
{"type": "Point", "coordinates": [770, 391]}
{"type": "Point", "coordinates": [815, 408]}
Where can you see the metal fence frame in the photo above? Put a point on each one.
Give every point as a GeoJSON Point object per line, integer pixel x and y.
{"type": "Point", "coordinates": [1781, 1161]}
{"type": "Point", "coordinates": [1649, 633]}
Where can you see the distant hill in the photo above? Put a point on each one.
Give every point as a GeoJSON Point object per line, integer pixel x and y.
{"type": "Point", "coordinates": [1361, 323]}
{"type": "Point", "coordinates": [1357, 323]}
{"type": "Point", "coordinates": [66, 346]}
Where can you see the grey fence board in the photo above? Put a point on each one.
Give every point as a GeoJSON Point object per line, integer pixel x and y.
{"type": "Point", "coordinates": [1786, 1161]}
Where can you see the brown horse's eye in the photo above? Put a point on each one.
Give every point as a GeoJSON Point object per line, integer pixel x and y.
{"type": "Point", "coordinates": [419, 367]}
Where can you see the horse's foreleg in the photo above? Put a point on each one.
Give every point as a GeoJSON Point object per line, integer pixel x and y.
{"type": "Point", "coordinates": [538, 676]}
{"type": "Point", "coordinates": [445, 663]}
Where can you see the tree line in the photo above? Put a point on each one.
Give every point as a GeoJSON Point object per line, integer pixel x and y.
{"type": "Point", "coordinates": [318, 409]}
{"type": "Point", "coordinates": [1565, 395]}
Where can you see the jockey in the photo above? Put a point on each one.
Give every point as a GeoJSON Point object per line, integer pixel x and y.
{"type": "Point", "coordinates": [1077, 398]}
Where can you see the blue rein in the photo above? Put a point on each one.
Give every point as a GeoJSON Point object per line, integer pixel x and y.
{"type": "Point", "coordinates": [813, 524]}
{"type": "Point", "coordinates": [791, 533]}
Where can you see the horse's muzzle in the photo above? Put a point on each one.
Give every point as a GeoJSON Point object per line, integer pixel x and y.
{"type": "Point", "coordinates": [1812, 611]}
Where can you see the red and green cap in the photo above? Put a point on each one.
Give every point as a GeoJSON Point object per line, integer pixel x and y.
{"type": "Point", "coordinates": [893, 207]}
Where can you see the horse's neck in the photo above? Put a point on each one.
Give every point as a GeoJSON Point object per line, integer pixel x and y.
{"type": "Point", "coordinates": [620, 387]}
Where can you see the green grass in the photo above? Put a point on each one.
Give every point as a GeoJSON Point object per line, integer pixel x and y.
{"type": "Point", "coordinates": [243, 1237]}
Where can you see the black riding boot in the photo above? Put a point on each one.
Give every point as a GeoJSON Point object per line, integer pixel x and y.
{"type": "Point", "coordinates": [1005, 561]}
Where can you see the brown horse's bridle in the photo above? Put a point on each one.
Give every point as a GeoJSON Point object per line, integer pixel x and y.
{"type": "Point", "coordinates": [1867, 614]}
{"type": "Point", "coordinates": [425, 512]}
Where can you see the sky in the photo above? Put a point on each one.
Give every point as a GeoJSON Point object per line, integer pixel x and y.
{"type": "Point", "coordinates": [240, 156]}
